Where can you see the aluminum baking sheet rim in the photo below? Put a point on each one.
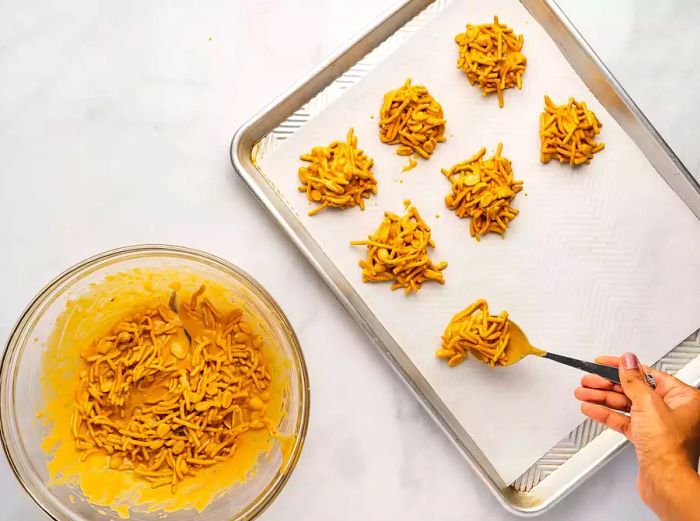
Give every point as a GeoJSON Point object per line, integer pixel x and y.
{"type": "Point", "coordinates": [269, 119]}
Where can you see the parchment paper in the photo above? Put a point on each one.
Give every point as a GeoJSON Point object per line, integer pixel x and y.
{"type": "Point", "coordinates": [601, 259]}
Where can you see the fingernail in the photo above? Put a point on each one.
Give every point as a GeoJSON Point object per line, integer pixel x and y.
{"type": "Point", "coordinates": [630, 361]}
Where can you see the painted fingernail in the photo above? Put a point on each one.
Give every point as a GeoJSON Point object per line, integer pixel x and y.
{"type": "Point", "coordinates": [630, 361]}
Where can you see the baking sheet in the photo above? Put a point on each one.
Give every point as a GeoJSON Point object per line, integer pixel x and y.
{"type": "Point", "coordinates": [601, 259]}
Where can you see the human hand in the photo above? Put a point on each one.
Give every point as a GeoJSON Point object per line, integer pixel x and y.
{"type": "Point", "coordinates": [663, 425]}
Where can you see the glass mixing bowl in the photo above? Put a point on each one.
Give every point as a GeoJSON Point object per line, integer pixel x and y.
{"type": "Point", "coordinates": [22, 396]}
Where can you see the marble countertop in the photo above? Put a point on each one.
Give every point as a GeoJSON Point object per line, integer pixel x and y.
{"type": "Point", "coordinates": [104, 104]}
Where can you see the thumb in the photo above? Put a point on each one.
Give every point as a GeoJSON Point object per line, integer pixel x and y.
{"type": "Point", "coordinates": [632, 377]}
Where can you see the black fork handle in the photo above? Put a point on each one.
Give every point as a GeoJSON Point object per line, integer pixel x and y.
{"type": "Point", "coordinates": [606, 371]}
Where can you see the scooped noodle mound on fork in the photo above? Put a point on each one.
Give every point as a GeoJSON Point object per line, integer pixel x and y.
{"type": "Point", "coordinates": [475, 330]}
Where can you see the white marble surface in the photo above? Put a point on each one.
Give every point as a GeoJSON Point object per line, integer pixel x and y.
{"type": "Point", "coordinates": [104, 104]}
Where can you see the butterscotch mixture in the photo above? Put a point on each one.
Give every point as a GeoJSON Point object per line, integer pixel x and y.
{"type": "Point", "coordinates": [490, 55]}
{"type": "Point", "coordinates": [475, 330]}
{"type": "Point", "coordinates": [398, 252]}
{"type": "Point", "coordinates": [483, 189]}
{"type": "Point", "coordinates": [162, 392]}
{"type": "Point", "coordinates": [411, 118]}
{"type": "Point", "coordinates": [339, 175]}
{"type": "Point", "coordinates": [567, 132]}
{"type": "Point", "coordinates": [166, 394]}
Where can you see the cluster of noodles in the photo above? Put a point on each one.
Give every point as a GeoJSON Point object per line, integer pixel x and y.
{"type": "Point", "coordinates": [489, 54]}
{"type": "Point", "coordinates": [162, 405]}
{"type": "Point", "coordinates": [567, 132]}
{"type": "Point", "coordinates": [340, 175]}
{"type": "Point", "coordinates": [410, 117]}
{"type": "Point", "coordinates": [398, 251]}
{"type": "Point", "coordinates": [483, 190]}
{"type": "Point", "coordinates": [473, 329]}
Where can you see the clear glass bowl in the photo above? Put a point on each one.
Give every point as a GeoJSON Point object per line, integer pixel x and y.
{"type": "Point", "coordinates": [21, 392]}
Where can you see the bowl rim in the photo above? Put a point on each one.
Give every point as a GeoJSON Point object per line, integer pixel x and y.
{"type": "Point", "coordinates": [263, 500]}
